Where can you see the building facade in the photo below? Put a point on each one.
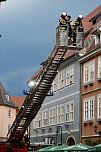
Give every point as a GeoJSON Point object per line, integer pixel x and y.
{"type": "Point", "coordinates": [58, 120]}
{"type": "Point", "coordinates": [7, 113]}
{"type": "Point", "coordinates": [61, 119]}
{"type": "Point", "coordinates": [91, 81]}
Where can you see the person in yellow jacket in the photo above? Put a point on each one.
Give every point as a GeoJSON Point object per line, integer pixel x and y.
{"type": "Point", "coordinates": [78, 23]}
{"type": "Point", "coordinates": [77, 26]}
{"type": "Point", "coordinates": [64, 20]}
{"type": "Point", "coordinates": [64, 23]}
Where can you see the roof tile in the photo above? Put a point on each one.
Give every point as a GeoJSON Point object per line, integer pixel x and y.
{"type": "Point", "coordinates": [18, 100]}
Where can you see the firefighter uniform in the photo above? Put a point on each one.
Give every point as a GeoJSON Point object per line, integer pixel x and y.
{"type": "Point", "coordinates": [64, 21]}
{"type": "Point", "coordinates": [78, 23]}
{"type": "Point", "coordinates": [64, 24]}
{"type": "Point", "coordinates": [77, 26]}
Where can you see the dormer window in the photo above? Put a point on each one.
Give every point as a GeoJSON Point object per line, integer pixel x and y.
{"type": "Point", "coordinates": [94, 21]}
{"type": "Point", "coordinates": [7, 97]}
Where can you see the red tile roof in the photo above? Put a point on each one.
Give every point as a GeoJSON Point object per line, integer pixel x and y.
{"type": "Point", "coordinates": [18, 100]}
{"type": "Point", "coordinates": [87, 23]}
{"type": "Point", "coordinates": [98, 24]}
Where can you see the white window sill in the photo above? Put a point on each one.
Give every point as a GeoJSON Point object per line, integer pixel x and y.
{"type": "Point", "coordinates": [99, 79]}
{"type": "Point", "coordinates": [88, 83]}
{"type": "Point", "coordinates": [87, 121]}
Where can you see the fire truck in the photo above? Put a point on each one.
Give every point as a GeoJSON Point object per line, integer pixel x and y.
{"type": "Point", "coordinates": [17, 141]}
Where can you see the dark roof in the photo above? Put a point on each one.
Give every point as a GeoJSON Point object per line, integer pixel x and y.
{"type": "Point", "coordinates": [5, 98]}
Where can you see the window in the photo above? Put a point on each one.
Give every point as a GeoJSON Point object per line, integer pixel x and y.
{"type": "Point", "coordinates": [9, 126]}
{"type": "Point", "coordinates": [34, 126]}
{"type": "Point", "coordinates": [99, 105]}
{"type": "Point", "coordinates": [60, 114]}
{"type": "Point", "coordinates": [98, 38]}
{"type": "Point", "coordinates": [52, 116]}
{"type": "Point", "coordinates": [37, 121]}
{"type": "Point", "coordinates": [47, 140]}
{"type": "Point", "coordinates": [89, 71]}
{"type": "Point", "coordinates": [9, 113]}
{"type": "Point", "coordinates": [94, 21]}
{"type": "Point", "coordinates": [61, 79]}
{"type": "Point", "coordinates": [69, 109]}
{"type": "Point", "coordinates": [45, 118]}
{"type": "Point", "coordinates": [7, 97]}
{"type": "Point", "coordinates": [54, 84]}
{"type": "Point", "coordinates": [69, 75]}
{"type": "Point", "coordinates": [99, 67]}
{"type": "Point", "coordinates": [88, 108]}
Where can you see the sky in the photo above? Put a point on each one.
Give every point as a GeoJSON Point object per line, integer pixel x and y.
{"type": "Point", "coordinates": [28, 29]}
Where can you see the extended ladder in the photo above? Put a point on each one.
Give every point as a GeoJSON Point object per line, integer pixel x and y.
{"type": "Point", "coordinates": [36, 96]}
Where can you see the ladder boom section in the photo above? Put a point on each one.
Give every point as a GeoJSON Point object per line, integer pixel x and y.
{"type": "Point", "coordinates": [36, 96]}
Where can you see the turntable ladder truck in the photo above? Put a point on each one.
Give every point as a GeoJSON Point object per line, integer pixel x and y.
{"type": "Point", "coordinates": [36, 95]}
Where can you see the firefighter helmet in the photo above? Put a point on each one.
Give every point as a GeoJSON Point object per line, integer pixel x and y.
{"type": "Point", "coordinates": [64, 14]}
{"type": "Point", "coordinates": [80, 16]}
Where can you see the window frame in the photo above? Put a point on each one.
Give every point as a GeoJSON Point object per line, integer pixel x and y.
{"type": "Point", "coordinates": [9, 126]}
{"type": "Point", "coordinates": [7, 97]}
{"type": "Point", "coordinates": [9, 113]}
{"type": "Point", "coordinates": [98, 38]}
{"type": "Point", "coordinates": [69, 112]}
{"type": "Point", "coordinates": [38, 120]}
{"type": "Point", "coordinates": [88, 67]}
{"type": "Point", "coordinates": [88, 108]}
{"type": "Point", "coordinates": [52, 116]}
{"type": "Point", "coordinates": [54, 84]}
{"type": "Point", "coordinates": [70, 72]}
{"type": "Point", "coordinates": [99, 66]}
{"type": "Point", "coordinates": [61, 114]}
{"type": "Point", "coordinates": [61, 79]}
{"type": "Point", "coordinates": [34, 125]}
{"type": "Point", "coordinates": [98, 111]}
{"type": "Point", "coordinates": [45, 118]}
